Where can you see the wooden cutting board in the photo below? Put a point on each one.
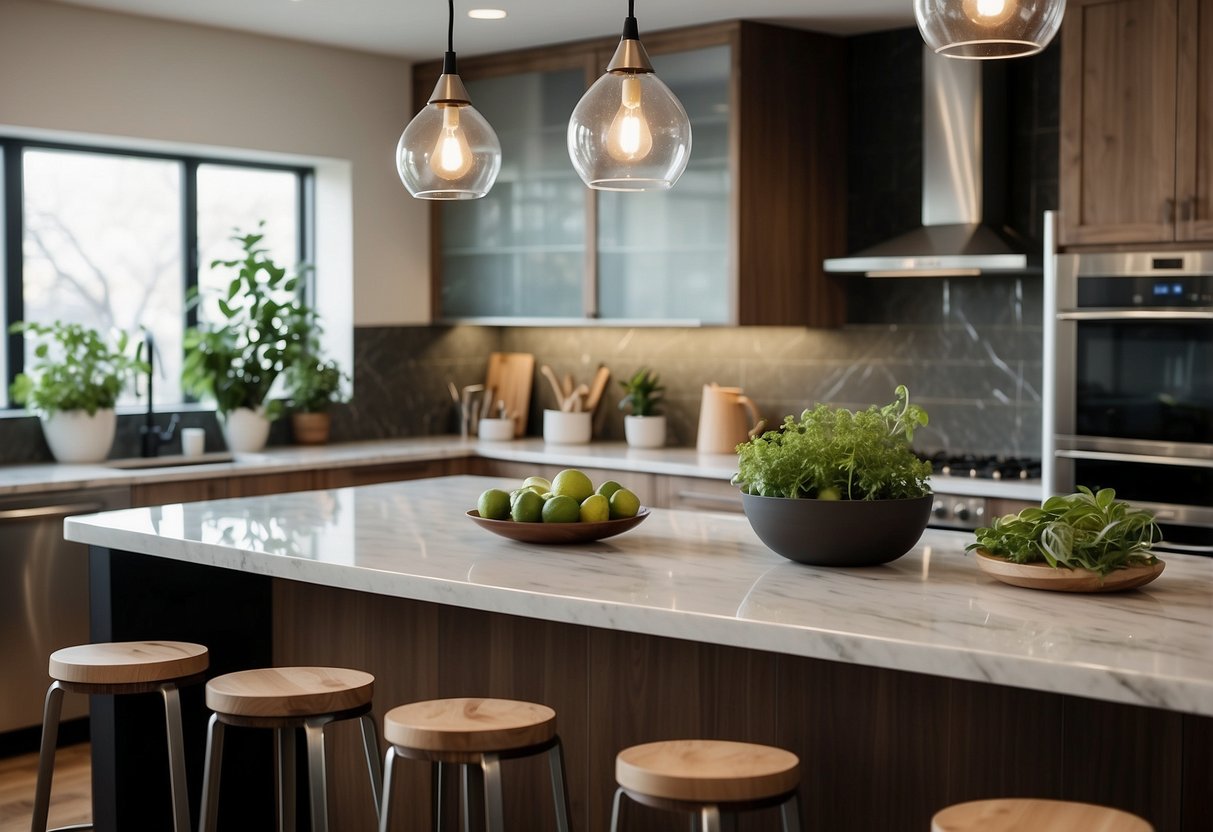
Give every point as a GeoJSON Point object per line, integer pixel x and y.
{"type": "Point", "coordinates": [510, 376]}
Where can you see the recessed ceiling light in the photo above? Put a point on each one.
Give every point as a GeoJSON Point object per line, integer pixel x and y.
{"type": "Point", "coordinates": [486, 14]}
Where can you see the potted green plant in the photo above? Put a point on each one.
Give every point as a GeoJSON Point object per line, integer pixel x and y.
{"type": "Point", "coordinates": [837, 488]}
{"type": "Point", "coordinates": [313, 384]}
{"type": "Point", "coordinates": [263, 328]}
{"type": "Point", "coordinates": [73, 383]}
{"type": "Point", "coordinates": [644, 427]}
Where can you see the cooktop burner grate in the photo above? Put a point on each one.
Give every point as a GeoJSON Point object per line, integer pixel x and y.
{"type": "Point", "coordinates": [976, 466]}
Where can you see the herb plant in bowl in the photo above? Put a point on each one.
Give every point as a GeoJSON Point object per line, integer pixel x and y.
{"type": "Point", "coordinates": [644, 427]}
{"type": "Point", "coordinates": [836, 487]}
{"type": "Point", "coordinates": [313, 384]}
{"type": "Point", "coordinates": [1083, 542]}
{"type": "Point", "coordinates": [73, 383]}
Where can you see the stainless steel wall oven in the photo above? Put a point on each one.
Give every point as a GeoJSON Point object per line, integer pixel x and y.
{"type": "Point", "coordinates": [1133, 384]}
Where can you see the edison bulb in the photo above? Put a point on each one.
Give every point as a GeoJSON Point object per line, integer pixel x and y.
{"type": "Point", "coordinates": [452, 156]}
{"type": "Point", "coordinates": [629, 137]}
{"type": "Point", "coordinates": [989, 12]}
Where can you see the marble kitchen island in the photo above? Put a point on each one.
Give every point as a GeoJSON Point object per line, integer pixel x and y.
{"type": "Point", "coordinates": [903, 688]}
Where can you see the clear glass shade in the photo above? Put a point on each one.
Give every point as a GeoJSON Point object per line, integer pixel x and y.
{"type": "Point", "coordinates": [983, 29]}
{"type": "Point", "coordinates": [629, 133]}
{"type": "Point", "coordinates": [448, 151]}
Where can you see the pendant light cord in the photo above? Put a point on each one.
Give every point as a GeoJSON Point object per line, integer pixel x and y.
{"type": "Point", "coordinates": [448, 60]}
{"type": "Point", "coordinates": [630, 30]}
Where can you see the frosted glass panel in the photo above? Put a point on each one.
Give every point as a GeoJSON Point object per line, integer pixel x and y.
{"type": "Point", "coordinates": [666, 254]}
{"type": "Point", "coordinates": [520, 251]}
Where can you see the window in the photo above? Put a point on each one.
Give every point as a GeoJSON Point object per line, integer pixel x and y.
{"type": "Point", "coordinates": [100, 237]}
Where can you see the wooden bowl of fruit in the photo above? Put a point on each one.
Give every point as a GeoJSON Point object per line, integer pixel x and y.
{"type": "Point", "coordinates": [566, 509]}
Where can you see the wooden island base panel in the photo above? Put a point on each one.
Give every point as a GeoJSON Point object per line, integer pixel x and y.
{"type": "Point", "coordinates": [881, 747]}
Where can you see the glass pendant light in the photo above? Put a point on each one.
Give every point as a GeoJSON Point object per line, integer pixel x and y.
{"type": "Point", "coordinates": [985, 29]}
{"type": "Point", "coordinates": [448, 150]}
{"type": "Point", "coordinates": [629, 132]}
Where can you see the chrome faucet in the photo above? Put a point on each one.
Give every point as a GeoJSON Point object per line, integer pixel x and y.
{"type": "Point", "coordinates": [152, 436]}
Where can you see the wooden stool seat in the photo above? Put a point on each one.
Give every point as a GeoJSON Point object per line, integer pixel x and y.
{"type": "Point", "coordinates": [289, 692]}
{"type": "Point", "coordinates": [128, 662]}
{"type": "Point", "coordinates": [474, 726]}
{"type": "Point", "coordinates": [1028, 815]}
{"type": "Point", "coordinates": [471, 737]}
{"type": "Point", "coordinates": [707, 771]}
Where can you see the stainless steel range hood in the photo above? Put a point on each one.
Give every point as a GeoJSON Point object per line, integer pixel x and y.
{"type": "Point", "coordinates": [964, 171]}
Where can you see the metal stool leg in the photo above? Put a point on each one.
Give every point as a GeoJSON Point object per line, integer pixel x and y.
{"type": "Point", "coordinates": [285, 752]}
{"type": "Point", "coordinates": [46, 756]}
{"type": "Point", "coordinates": [210, 775]}
{"type": "Point", "coordinates": [176, 757]}
{"type": "Point", "coordinates": [709, 818]}
{"type": "Point", "coordinates": [615, 809]}
{"type": "Point", "coordinates": [494, 813]}
{"type": "Point", "coordinates": [790, 811]}
{"type": "Point", "coordinates": [473, 797]}
{"type": "Point", "coordinates": [560, 790]}
{"type": "Point", "coordinates": [370, 745]}
{"type": "Point", "coordinates": [313, 730]}
{"type": "Point", "coordinates": [385, 801]}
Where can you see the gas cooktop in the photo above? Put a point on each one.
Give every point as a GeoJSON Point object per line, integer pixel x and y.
{"type": "Point", "coordinates": [976, 466]}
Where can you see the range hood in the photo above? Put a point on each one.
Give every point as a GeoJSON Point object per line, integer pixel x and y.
{"type": "Point", "coordinates": [963, 184]}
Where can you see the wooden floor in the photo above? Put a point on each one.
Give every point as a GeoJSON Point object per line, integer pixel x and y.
{"type": "Point", "coordinates": [71, 797]}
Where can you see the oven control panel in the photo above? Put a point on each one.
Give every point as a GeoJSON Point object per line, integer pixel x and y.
{"type": "Point", "coordinates": [964, 513]}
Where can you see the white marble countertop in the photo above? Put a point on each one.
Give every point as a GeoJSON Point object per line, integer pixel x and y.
{"type": "Point", "coordinates": [687, 462]}
{"type": "Point", "coordinates": [705, 577]}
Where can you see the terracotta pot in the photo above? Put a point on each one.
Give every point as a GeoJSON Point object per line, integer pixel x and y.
{"type": "Point", "coordinates": [311, 428]}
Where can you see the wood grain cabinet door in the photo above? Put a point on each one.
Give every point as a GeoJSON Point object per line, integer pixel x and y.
{"type": "Point", "coordinates": [1119, 92]}
{"type": "Point", "coordinates": [1195, 121]}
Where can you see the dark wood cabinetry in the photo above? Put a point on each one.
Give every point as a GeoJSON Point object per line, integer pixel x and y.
{"type": "Point", "coordinates": [1136, 122]}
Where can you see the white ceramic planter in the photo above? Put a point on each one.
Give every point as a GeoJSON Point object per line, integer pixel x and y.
{"type": "Point", "coordinates": [644, 431]}
{"type": "Point", "coordinates": [245, 430]}
{"type": "Point", "coordinates": [562, 428]}
{"type": "Point", "coordinates": [74, 436]}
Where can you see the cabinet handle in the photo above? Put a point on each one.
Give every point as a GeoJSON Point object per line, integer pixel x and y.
{"type": "Point", "coordinates": [1169, 210]}
{"type": "Point", "coordinates": [48, 512]}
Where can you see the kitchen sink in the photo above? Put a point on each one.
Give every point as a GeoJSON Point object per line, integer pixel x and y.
{"type": "Point", "coordinates": [174, 461]}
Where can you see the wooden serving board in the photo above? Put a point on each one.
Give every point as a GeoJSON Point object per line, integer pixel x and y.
{"type": "Point", "coordinates": [1043, 576]}
{"type": "Point", "coordinates": [509, 376]}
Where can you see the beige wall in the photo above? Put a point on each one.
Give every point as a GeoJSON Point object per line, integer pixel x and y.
{"type": "Point", "coordinates": [64, 68]}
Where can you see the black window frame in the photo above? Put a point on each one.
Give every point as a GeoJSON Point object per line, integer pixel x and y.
{"type": "Point", "coordinates": [12, 176]}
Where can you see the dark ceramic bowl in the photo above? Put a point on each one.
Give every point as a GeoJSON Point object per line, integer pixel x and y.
{"type": "Point", "coordinates": [838, 532]}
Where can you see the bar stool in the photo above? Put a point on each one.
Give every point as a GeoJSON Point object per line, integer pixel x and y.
{"type": "Point", "coordinates": [476, 735]}
{"type": "Point", "coordinates": [118, 668]}
{"type": "Point", "coordinates": [709, 778]}
{"type": "Point", "coordinates": [1029, 815]}
{"type": "Point", "coordinates": [284, 699]}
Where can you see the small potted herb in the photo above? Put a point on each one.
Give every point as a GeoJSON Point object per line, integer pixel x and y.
{"type": "Point", "coordinates": [644, 427]}
{"type": "Point", "coordinates": [837, 488]}
{"type": "Point", "coordinates": [313, 384]}
{"type": "Point", "coordinates": [73, 384]}
{"type": "Point", "coordinates": [264, 327]}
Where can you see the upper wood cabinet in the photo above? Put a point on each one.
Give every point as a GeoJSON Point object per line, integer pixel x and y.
{"type": "Point", "coordinates": [739, 240]}
{"type": "Point", "coordinates": [1136, 122]}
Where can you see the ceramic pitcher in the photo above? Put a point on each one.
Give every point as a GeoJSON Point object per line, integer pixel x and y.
{"type": "Point", "coordinates": [726, 419]}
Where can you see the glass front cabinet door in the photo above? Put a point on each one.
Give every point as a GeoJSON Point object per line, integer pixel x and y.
{"type": "Point", "coordinates": [738, 240]}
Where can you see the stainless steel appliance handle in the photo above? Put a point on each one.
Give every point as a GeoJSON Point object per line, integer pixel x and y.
{"type": "Point", "coordinates": [1136, 315]}
{"type": "Point", "coordinates": [1189, 548]}
{"type": "Point", "coordinates": [14, 515]}
{"type": "Point", "coordinates": [1147, 459]}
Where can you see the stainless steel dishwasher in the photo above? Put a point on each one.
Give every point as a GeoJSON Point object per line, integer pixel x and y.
{"type": "Point", "coordinates": [43, 596]}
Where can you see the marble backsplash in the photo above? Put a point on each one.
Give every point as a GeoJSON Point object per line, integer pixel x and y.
{"type": "Point", "coordinates": [968, 349]}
